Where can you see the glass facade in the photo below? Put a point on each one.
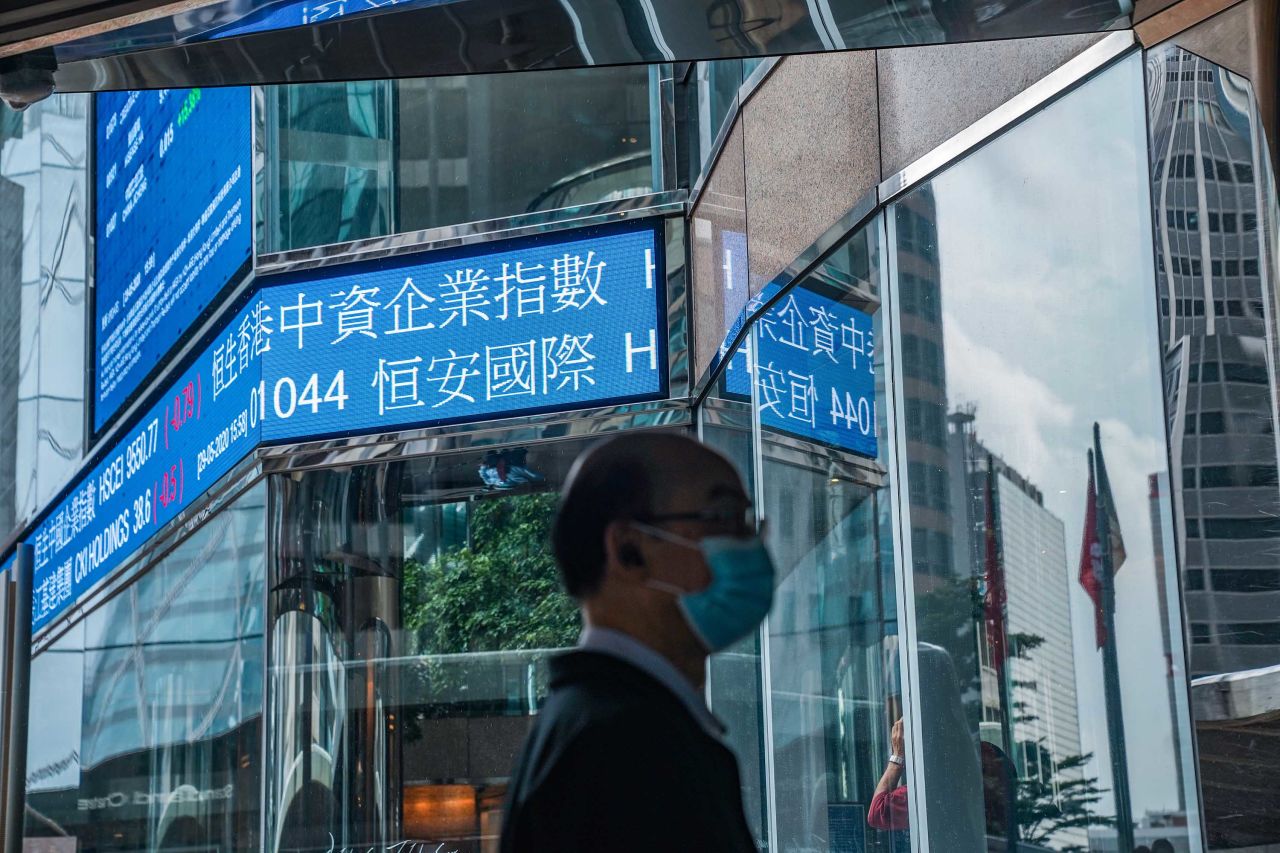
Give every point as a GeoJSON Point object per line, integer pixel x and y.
{"type": "Point", "coordinates": [146, 731]}
{"type": "Point", "coordinates": [43, 250]}
{"type": "Point", "coordinates": [349, 161]}
{"type": "Point", "coordinates": [830, 517]}
{"type": "Point", "coordinates": [1048, 511]}
{"type": "Point", "coordinates": [1215, 255]}
{"type": "Point", "coordinates": [1214, 206]}
{"type": "Point", "coordinates": [413, 606]}
{"type": "Point", "coordinates": [999, 411]}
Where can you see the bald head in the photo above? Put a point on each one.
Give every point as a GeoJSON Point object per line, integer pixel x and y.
{"type": "Point", "coordinates": [628, 478]}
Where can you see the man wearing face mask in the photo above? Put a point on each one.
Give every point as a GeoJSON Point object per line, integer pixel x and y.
{"type": "Point", "coordinates": [656, 540]}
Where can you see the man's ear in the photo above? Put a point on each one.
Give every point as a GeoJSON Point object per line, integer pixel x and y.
{"type": "Point", "coordinates": [622, 547]}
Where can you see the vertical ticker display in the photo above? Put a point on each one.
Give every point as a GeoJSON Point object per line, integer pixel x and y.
{"type": "Point", "coordinates": [173, 224]}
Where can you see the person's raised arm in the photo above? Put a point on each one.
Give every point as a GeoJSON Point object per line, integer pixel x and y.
{"type": "Point", "coordinates": [889, 804]}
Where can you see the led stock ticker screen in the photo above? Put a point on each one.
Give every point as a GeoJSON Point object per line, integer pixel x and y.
{"type": "Point", "coordinates": [553, 323]}
{"type": "Point", "coordinates": [815, 371]}
{"type": "Point", "coordinates": [173, 224]}
{"type": "Point", "coordinates": [540, 325]}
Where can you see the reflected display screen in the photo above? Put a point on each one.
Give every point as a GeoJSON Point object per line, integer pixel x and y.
{"type": "Point", "coordinates": [173, 224]}
{"type": "Point", "coordinates": [300, 13]}
{"type": "Point", "coordinates": [816, 372]}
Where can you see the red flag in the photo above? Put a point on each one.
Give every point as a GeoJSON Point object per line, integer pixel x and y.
{"type": "Point", "coordinates": [993, 603]}
{"type": "Point", "coordinates": [1091, 559]}
{"type": "Point", "coordinates": [1107, 505]}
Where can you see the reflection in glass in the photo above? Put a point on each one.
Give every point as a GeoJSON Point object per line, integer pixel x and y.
{"type": "Point", "coordinates": [145, 731]}
{"type": "Point", "coordinates": [43, 247]}
{"type": "Point", "coordinates": [718, 85]}
{"type": "Point", "coordinates": [734, 687]}
{"type": "Point", "coordinates": [53, 740]}
{"type": "Point", "coordinates": [831, 652]}
{"type": "Point", "coordinates": [414, 606]}
{"type": "Point", "coordinates": [348, 161]}
{"type": "Point", "coordinates": [483, 147]}
{"type": "Point", "coordinates": [1214, 308]}
{"type": "Point", "coordinates": [329, 154]}
{"type": "Point", "coordinates": [1215, 212]}
{"type": "Point", "coordinates": [1023, 322]}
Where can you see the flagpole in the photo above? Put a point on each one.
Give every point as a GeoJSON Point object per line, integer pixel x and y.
{"type": "Point", "coordinates": [1110, 663]}
{"type": "Point", "coordinates": [1002, 676]}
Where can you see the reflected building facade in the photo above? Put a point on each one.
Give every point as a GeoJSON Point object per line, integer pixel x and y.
{"type": "Point", "coordinates": [1217, 316]}
{"type": "Point", "coordinates": [1041, 694]}
{"type": "Point", "coordinates": [43, 170]}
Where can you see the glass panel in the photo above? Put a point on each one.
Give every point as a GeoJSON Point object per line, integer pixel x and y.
{"type": "Point", "coordinates": [53, 743]}
{"type": "Point", "coordinates": [718, 85]}
{"type": "Point", "coordinates": [830, 529]}
{"type": "Point", "coordinates": [1222, 406]}
{"type": "Point", "coordinates": [1215, 219]}
{"type": "Point", "coordinates": [146, 718]}
{"type": "Point", "coordinates": [347, 161]}
{"type": "Point", "coordinates": [1025, 321]}
{"type": "Point", "coordinates": [719, 280]}
{"type": "Point", "coordinates": [467, 145]}
{"type": "Point", "coordinates": [414, 606]}
{"type": "Point", "coordinates": [329, 163]}
{"type": "Point", "coordinates": [734, 685]}
{"type": "Point", "coordinates": [43, 245]}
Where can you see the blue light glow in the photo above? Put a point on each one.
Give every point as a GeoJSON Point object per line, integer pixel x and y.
{"type": "Point", "coordinates": [559, 322]}
{"type": "Point", "coordinates": [816, 376]}
{"type": "Point", "coordinates": [173, 179]}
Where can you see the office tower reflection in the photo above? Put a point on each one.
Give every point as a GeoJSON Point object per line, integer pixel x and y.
{"type": "Point", "coordinates": [1214, 312]}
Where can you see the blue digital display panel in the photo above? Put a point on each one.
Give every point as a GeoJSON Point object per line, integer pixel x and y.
{"type": "Point", "coordinates": [815, 373]}
{"type": "Point", "coordinates": [560, 322]}
{"type": "Point", "coordinates": [173, 224]}
{"type": "Point", "coordinates": [181, 446]}
{"type": "Point", "coordinates": [537, 325]}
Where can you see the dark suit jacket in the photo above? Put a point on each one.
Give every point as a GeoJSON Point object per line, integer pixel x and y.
{"type": "Point", "coordinates": [615, 763]}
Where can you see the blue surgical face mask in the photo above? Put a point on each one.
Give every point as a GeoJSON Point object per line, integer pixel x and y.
{"type": "Point", "coordinates": [739, 595]}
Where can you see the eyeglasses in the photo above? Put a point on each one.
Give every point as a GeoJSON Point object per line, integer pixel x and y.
{"type": "Point", "coordinates": [738, 520]}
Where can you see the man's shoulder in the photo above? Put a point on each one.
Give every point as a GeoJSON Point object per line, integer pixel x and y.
{"type": "Point", "coordinates": [599, 718]}
{"type": "Point", "coordinates": [601, 691]}
{"type": "Point", "coordinates": [637, 767]}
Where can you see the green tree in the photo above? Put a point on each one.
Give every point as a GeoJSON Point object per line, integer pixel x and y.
{"type": "Point", "coordinates": [950, 614]}
{"type": "Point", "coordinates": [1065, 798]}
{"type": "Point", "coordinates": [501, 591]}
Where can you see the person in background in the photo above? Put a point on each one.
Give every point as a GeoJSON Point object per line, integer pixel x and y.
{"type": "Point", "coordinates": [656, 541]}
{"type": "Point", "coordinates": [888, 810]}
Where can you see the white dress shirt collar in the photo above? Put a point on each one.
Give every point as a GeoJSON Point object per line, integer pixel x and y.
{"type": "Point", "coordinates": [627, 648]}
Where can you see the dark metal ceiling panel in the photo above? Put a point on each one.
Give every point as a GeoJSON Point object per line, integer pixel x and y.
{"type": "Point", "coordinates": [256, 41]}
{"type": "Point", "coordinates": [26, 26]}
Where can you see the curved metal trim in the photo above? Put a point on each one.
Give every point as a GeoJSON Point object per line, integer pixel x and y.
{"type": "Point", "coordinates": [635, 157]}
{"type": "Point", "coordinates": [481, 36]}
